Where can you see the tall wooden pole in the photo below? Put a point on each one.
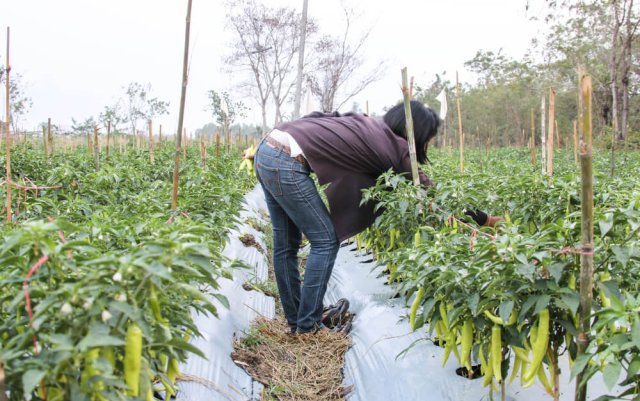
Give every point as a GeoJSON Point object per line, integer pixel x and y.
{"type": "Point", "coordinates": [7, 136]}
{"type": "Point", "coordinates": [460, 125]}
{"type": "Point", "coordinates": [303, 37]}
{"type": "Point", "coordinates": [151, 157]}
{"type": "Point", "coordinates": [49, 136]}
{"type": "Point", "coordinates": [96, 148]}
{"type": "Point", "coordinates": [586, 256]}
{"type": "Point", "coordinates": [552, 110]}
{"type": "Point", "coordinates": [543, 135]}
{"type": "Point", "coordinates": [183, 95]}
{"type": "Point", "coordinates": [108, 137]}
{"type": "Point", "coordinates": [406, 94]}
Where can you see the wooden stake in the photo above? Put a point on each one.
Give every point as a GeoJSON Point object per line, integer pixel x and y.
{"type": "Point", "coordinates": [532, 139]}
{"type": "Point", "coordinates": [586, 255]}
{"type": "Point", "coordinates": [44, 142]}
{"type": "Point", "coordinates": [185, 144]}
{"type": "Point", "coordinates": [160, 134]}
{"type": "Point", "coordinates": [366, 107]}
{"type": "Point", "coordinates": [406, 93]}
{"type": "Point", "coordinates": [96, 148]}
{"type": "Point", "coordinates": [552, 110]}
{"type": "Point", "coordinates": [183, 95]}
{"type": "Point", "coordinates": [150, 123]}
{"type": "Point", "coordinates": [460, 125]}
{"type": "Point", "coordinates": [108, 137]}
{"type": "Point", "coordinates": [217, 143]}
{"type": "Point", "coordinates": [543, 135]}
{"type": "Point", "coordinates": [575, 141]}
{"type": "Point", "coordinates": [7, 135]}
{"type": "Point", "coordinates": [49, 136]}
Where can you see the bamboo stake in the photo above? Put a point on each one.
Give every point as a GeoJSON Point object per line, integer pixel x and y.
{"type": "Point", "coordinates": [366, 107]}
{"type": "Point", "coordinates": [185, 144]}
{"type": "Point", "coordinates": [532, 139]}
{"type": "Point", "coordinates": [586, 256]}
{"type": "Point", "coordinates": [44, 142]}
{"type": "Point", "coordinates": [160, 134]}
{"type": "Point", "coordinates": [409, 127]}
{"type": "Point", "coordinates": [203, 153]}
{"type": "Point", "coordinates": [7, 137]}
{"type": "Point", "coordinates": [543, 135]}
{"type": "Point", "coordinates": [89, 144]}
{"type": "Point", "coordinates": [217, 143]}
{"type": "Point", "coordinates": [183, 95]}
{"type": "Point", "coordinates": [552, 110]}
{"type": "Point", "coordinates": [460, 125]}
{"type": "Point", "coordinates": [575, 141]}
{"type": "Point", "coordinates": [49, 136]}
{"type": "Point", "coordinates": [96, 148]}
{"type": "Point", "coordinates": [151, 157]}
{"type": "Point", "coordinates": [108, 137]}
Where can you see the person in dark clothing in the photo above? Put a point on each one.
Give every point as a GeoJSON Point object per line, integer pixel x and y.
{"type": "Point", "coordinates": [347, 152]}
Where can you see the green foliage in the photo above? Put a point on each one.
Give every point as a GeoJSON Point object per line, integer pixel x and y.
{"type": "Point", "coordinates": [116, 255]}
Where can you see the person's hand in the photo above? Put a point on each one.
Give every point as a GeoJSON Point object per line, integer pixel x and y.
{"type": "Point", "coordinates": [492, 221]}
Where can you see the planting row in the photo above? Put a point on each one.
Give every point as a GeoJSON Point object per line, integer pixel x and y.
{"type": "Point", "coordinates": [100, 278]}
{"type": "Point", "coordinates": [511, 294]}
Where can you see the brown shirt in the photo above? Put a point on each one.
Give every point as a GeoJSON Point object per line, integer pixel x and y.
{"type": "Point", "coordinates": [350, 152]}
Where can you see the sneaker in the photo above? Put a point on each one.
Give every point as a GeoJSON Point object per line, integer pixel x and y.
{"type": "Point", "coordinates": [336, 314]}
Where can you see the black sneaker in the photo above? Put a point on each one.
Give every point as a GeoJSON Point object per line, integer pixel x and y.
{"type": "Point", "coordinates": [335, 314]}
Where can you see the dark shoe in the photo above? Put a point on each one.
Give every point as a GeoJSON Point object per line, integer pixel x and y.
{"type": "Point", "coordinates": [335, 314]}
{"type": "Point", "coordinates": [318, 328]}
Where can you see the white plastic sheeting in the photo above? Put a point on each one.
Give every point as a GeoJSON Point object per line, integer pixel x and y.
{"type": "Point", "coordinates": [380, 333]}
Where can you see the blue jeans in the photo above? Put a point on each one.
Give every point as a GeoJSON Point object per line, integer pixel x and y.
{"type": "Point", "coordinates": [295, 207]}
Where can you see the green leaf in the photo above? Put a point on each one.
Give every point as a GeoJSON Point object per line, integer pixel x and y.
{"type": "Point", "coordinates": [505, 310]}
{"type": "Point", "coordinates": [605, 226]}
{"type": "Point", "coordinates": [92, 340]}
{"type": "Point", "coordinates": [222, 299]}
{"type": "Point", "coordinates": [611, 373]}
{"type": "Point", "coordinates": [635, 332]}
{"type": "Point", "coordinates": [30, 380]}
{"type": "Point", "coordinates": [579, 364]}
{"type": "Point", "coordinates": [473, 301]}
{"type": "Point", "coordinates": [572, 301]}
{"type": "Point", "coordinates": [541, 303]}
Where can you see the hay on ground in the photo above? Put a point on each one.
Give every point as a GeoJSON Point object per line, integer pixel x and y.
{"type": "Point", "coordinates": [304, 367]}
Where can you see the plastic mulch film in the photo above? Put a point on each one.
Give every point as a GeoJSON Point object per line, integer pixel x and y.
{"type": "Point", "coordinates": [217, 377]}
{"type": "Point", "coordinates": [375, 365]}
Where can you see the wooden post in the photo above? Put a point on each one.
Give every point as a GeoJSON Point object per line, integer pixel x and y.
{"type": "Point", "coordinates": [185, 144]}
{"type": "Point", "coordinates": [558, 138]}
{"type": "Point", "coordinates": [217, 143]}
{"type": "Point", "coordinates": [586, 255]}
{"type": "Point", "coordinates": [543, 135]}
{"type": "Point", "coordinates": [89, 143]}
{"type": "Point", "coordinates": [7, 134]}
{"type": "Point", "coordinates": [203, 153]}
{"type": "Point", "coordinates": [108, 137]}
{"type": "Point", "coordinates": [49, 136]}
{"type": "Point", "coordinates": [406, 93]}
{"type": "Point", "coordinates": [366, 107]}
{"type": "Point", "coordinates": [532, 139]}
{"type": "Point", "coordinates": [160, 134]}
{"type": "Point", "coordinates": [183, 95]}
{"type": "Point", "coordinates": [460, 125]}
{"type": "Point", "coordinates": [552, 110]}
{"type": "Point", "coordinates": [44, 142]}
{"type": "Point", "coordinates": [150, 123]}
{"type": "Point", "coordinates": [575, 141]}
{"type": "Point", "coordinates": [96, 148]}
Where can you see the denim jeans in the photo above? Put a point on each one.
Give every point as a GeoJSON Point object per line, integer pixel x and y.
{"type": "Point", "coordinates": [295, 207]}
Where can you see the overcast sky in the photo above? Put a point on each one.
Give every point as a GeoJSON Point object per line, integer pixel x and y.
{"type": "Point", "coordinates": [76, 56]}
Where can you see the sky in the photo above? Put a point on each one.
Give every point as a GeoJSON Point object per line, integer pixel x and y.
{"type": "Point", "coordinates": [77, 56]}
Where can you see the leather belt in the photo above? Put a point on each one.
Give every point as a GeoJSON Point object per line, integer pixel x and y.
{"type": "Point", "coordinates": [277, 145]}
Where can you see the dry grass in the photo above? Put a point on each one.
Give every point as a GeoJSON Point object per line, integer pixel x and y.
{"type": "Point", "coordinates": [293, 367]}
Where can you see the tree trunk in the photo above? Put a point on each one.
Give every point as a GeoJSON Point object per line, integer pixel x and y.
{"type": "Point", "coordinates": [613, 67]}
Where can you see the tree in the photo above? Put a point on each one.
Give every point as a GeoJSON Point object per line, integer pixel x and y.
{"type": "Point", "coordinates": [264, 45]}
{"type": "Point", "coordinates": [113, 114]}
{"type": "Point", "coordinates": [20, 102]}
{"type": "Point", "coordinates": [224, 109]}
{"type": "Point", "coordinates": [139, 105]}
{"type": "Point", "coordinates": [83, 127]}
{"type": "Point", "coordinates": [338, 61]}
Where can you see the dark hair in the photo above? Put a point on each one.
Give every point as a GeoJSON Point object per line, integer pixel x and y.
{"type": "Point", "coordinates": [425, 125]}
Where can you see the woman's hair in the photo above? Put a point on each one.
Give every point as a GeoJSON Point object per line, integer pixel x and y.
{"type": "Point", "coordinates": [425, 125]}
